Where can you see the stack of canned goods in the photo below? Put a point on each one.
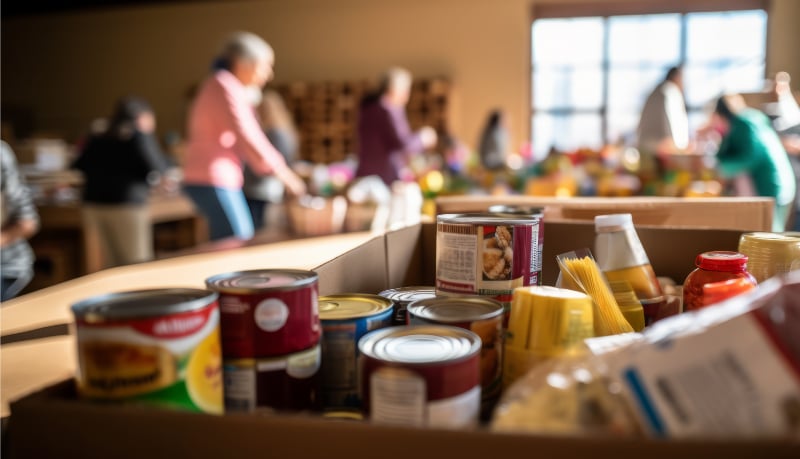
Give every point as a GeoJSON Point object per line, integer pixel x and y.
{"type": "Point", "coordinates": [271, 334]}
{"type": "Point", "coordinates": [345, 319]}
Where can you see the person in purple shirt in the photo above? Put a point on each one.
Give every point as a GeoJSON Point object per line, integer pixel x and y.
{"type": "Point", "coordinates": [385, 140]}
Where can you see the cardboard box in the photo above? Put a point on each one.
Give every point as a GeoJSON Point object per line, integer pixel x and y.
{"type": "Point", "coordinates": [53, 423]}
{"type": "Point", "coordinates": [744, 214]}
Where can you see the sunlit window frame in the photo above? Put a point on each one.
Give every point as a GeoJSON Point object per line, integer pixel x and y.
{"type": "Point", "coordinates": [606, 10]}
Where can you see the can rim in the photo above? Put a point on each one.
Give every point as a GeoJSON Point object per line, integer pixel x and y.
{"type": "Point", "coordinates": [126, 304]}
{"type": "Point", "coordinates": [379, 304]}
{"type": "Point", "coordinates": [425, 309]}
{"type": "Point", "coordinates": [401, 294]}
{"type": "Point", "coordinates": [304, 278]}
{"type": "Point", "coordinates": [488, 218]}
{"type": "Point", "coordinates": [375, 344]}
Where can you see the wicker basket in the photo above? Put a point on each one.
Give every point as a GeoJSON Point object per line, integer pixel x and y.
{"type": "Point", "coordinates": [317, 216]}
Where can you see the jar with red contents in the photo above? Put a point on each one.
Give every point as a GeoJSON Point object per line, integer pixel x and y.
{"type": "Point", "coordinates": [719, 276]}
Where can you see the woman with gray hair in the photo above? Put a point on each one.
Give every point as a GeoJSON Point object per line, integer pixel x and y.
{"type": "Point", "coordinates": [224, 132]}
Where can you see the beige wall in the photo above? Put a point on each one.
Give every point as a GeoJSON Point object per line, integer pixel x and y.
{"type": "Point", "coordinates": [70, 68]}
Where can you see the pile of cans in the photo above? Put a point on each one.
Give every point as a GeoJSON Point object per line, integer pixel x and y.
{"type": "Point", "coordinates": [264, 339]}
{"type": "Point", "coordinates": [270, 329]}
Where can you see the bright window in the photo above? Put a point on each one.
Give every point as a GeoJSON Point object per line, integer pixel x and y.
{"type": "Point", "coordinates": [591, 75]}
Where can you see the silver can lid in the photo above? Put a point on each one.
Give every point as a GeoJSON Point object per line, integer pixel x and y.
{"type": "Point", "coordinates": [456, 309]}
{"type": "Point", "coordinates": [420, 344]}
{"type": "Point", "coordinates": [260, 280]}
{"type": "Point", "coordinates": [139, 304]}
{"type": "Point", "coordinates": [346, 306]}
{"type": "Point", "coordinates": [488, 219]}
{"type": "Point", "coordinates": [407, 295]}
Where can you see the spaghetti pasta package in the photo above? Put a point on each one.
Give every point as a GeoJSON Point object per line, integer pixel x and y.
{"type": "Point", "coordinates": [582, 273]}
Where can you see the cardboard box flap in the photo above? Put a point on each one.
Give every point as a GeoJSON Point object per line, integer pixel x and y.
{"type": "Point", "coordinates": [740, 213]}
{"type": "Point", "coordinates": [51, 423]}
{"type": "Point", "coordinates": [361, 269]}
{"type": "Point", "coordinates": [671, 250]}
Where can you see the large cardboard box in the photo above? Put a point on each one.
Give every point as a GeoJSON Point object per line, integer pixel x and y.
{"type": "Point", "coordinates": [53, 423]}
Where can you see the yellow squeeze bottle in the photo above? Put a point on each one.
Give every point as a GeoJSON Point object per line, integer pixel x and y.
{"type": "Point", "coordinates": [620, 255]}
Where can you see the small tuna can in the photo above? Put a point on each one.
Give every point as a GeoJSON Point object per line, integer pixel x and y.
{"type": "Point", "coordinates": [267, 313]}
{"type": "Point", "coordinates": [488, 254]}
{"type": "Point", "coordinates": [402, 297]}
{"type": "Point", "coordinates": [484, 317]}
{"type": "Point", "coordinates": [285, 383]}
{"type": "Point", "coordinates": [421, 375]}
{"type": "Point", "coordinates": [159, 347]}
{"type": "Point", "coordinates": [345, 319]}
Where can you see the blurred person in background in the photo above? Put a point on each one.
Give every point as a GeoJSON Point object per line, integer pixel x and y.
{"type": "Point", "coordinates": [664, 124]}
{"type": "Point", "coordinates": [224, 132]}
{"type": "Point", "coordinates": [385, 140]}
{"type": "Point", "coordinates": [751, 146]}
{"type": "Point", "coordinates": [494, 141]}
{"type": "Point", "coordinates": [120, 162]}
{"type": "Point", "coordinates": [277, 123]}
{"type": "Point", "coordinates": [785, 114]}
{"type": "Point", "coordinates": [20, 222]}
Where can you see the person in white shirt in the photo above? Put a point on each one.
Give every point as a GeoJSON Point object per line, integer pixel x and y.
{"type": "Point", "coordinates": [664, 125]}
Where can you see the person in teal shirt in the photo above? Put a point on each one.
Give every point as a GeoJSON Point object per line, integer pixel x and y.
{"type": "Point", "coordinates": [751, 146]}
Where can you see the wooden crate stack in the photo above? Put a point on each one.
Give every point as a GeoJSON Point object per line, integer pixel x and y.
{"type": "Point", "coordinates": [326, 113]}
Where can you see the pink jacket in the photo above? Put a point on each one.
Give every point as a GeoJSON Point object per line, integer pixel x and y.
{"type": "Point", "coordinates": [222, 122]}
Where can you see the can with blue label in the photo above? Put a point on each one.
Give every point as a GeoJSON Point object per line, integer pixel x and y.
{"type": "Point", "coordinates": [345, 319]}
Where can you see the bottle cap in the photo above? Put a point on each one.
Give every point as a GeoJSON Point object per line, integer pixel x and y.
{"type": "Point", "coordinates": [724, 261]}
{"type": "Point", "coordinates": [612, 222]}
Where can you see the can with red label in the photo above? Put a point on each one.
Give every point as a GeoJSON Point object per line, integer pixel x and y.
{"type": "Point", "coordinates": [345, 319]}
{"type": "Point", "coordinates": [484, 317]}
{"type": "Point", "coordinates": [488, 254]}
{"type": "Point", "coordinates": [285, 383]}
{"type": "Point", "coordinates": [421, 375]}
{"type": "Point", "coordinates": [159, 347]}
{"type": "Point", "coordinates": [265, 313]}
{"type": "Point", "coordinates": [402, 297]}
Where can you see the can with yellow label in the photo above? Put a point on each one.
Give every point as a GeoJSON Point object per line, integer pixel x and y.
{"type": "Point", "coordinates": [158, 347]}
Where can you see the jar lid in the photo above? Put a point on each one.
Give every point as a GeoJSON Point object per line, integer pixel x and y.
{"type": "Point", "coordinates": [612, 222]}
{"type": "Point", "coordinates": [722, 261]}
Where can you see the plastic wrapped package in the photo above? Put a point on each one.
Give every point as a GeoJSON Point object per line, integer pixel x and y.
{"type": "Point", "coordinates": [727, 371]}
{"type": "Point", "coordinates": [570, 395]}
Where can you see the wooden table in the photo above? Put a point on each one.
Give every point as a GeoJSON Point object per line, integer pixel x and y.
{"type": "Point", "coordinates": [65, 250]}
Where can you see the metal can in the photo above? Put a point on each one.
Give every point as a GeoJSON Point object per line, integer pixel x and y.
{"type": "Point", "coordinates": [422, 375]}
{"type": "Point", "coordinates": [158, 347]}
{"type": "Point", "coordinates": [402, 297]}
{"type": "Point", "coordinates": [345, 319]}
{"type": "Point", "coordinates": [286, 383]}
{"type": "Point", "coordinates": [482, 316]}
{"type": "Point", "coordinates": [770, 254]}
{"type": "Point", "coordinates": [488, 254]}
{"type": "Point", "coordinates": [266, 313]}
